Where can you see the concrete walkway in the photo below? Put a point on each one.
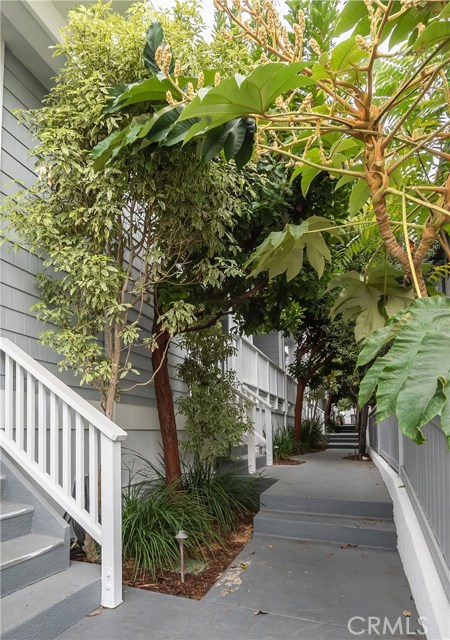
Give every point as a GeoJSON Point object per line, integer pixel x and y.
{"type": "Point", "coordinates": [306, 580]}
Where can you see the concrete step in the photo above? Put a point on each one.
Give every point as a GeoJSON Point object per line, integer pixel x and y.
{"type": "Point", "coordinates": [15, 520]}
{"type": "Point", "coordinates": [2, 485]}
{"type": "Point", "coordinates": [366, 532]}
{"type": "Point", "coordinates": [327, 506]}
{"type": "Point", "coordinates": [46, 609]}
{"type": "Point", "coordinates": [342, 445]}
{"type": "Point", "coordinates": [342, 436]}
{"type": "Point", "coordinates": [31, 558]}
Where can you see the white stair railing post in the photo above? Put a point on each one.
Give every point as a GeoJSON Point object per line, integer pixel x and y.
{"type": "Point", "coordinates": [49, 422]}
{"type": "Point", "coordinates": [111, 518]}
{"type": "Point", "coordinates": [269, 439]}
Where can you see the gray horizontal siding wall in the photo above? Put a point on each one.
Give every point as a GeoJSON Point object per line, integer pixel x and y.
{"type": "Point", "coordinates": [270, 345]}
{"type": "Point", "coordinates": [18, 270]}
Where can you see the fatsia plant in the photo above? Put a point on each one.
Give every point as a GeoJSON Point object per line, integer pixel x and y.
{"type": "Point", "coordinates": [370, 109]}
{"type": "Point", "coordinates": [412, 379]}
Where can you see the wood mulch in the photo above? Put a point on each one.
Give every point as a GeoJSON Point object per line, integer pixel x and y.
{"type": "Point", "coordinates": [352, 456]}
{"type": "Point", "coordinates": [289, 461]}
{"type": "Point", "coordinates": [196, 585]}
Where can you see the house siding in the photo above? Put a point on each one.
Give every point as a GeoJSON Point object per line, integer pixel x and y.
{"type": "Point", "coordinates": [271, 345]}
{"type": "Point", "coordinates": [18, 270]}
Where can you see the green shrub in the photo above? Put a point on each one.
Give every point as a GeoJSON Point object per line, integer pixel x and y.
{"type": "Point", "coordinates": [215, 421]}
{"type": "Point", "coordinates": [312, 436]}
{"type": "Point", "coordinates": [206, 505]}
{"type": "Point", "coordinates": [151, 517]}
{"type": "Point", "coordinates": [284, 443]}
{"type": "Point", "coordinates": [225, 496]}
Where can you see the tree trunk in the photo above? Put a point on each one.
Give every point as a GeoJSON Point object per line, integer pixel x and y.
{"type": "Point", "coordinates": [363, 414]}
{"type": "Point", "coordinates": [327, 412]}
{"type": "Point", "coordinates": [301, 384]}
{"type": "Point", "coordinates": [165, 405]}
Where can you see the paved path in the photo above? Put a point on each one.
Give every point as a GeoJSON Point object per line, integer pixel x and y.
{"type": "Point", "coordinates": [285, 588]}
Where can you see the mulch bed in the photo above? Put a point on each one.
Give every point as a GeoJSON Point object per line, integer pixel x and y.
{"type": "Point", "coordinates": [357, 457]}
{"type": "Point", "coordinates": [289, 461]}
{"type": "Point", "coordinates": [196, 585]}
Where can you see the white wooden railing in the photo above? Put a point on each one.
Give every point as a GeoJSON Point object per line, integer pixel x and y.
{"type": "Point", "coordinates": [262, 435]}
{"type": "Point", "coordinates": [58, 438]}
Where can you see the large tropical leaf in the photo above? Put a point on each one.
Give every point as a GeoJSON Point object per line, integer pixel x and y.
{"type": "Point", "coordinates": [283, 251]}
{"type": "Point", "coordinates": [412, 380]}
{"type": "Point", "coordinates": [370, 298]}
{"type": "Point", "coordinates": [154, 38]}
{"type": "Point", "coordinates": [241, 96]}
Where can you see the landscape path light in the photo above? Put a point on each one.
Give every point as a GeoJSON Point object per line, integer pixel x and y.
{"type": "Point", "coordinates": [181, 537]}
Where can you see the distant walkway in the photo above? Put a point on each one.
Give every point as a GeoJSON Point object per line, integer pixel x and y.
{"type": "Point", "coordinates": [321, 563]}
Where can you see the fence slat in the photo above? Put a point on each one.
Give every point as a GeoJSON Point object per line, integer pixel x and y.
{"type": "Point", "coordinates": [54, 438]}
{"type": "Point", "coordinates": [42, 427]}
{"type": "Point", "coordinates": [9, 406]}
{"type": "Point", "coordinates": [66, 449]}
{"type": "Point", "coordinates": [93, 473]}
{"type": "Point", "coordinates": [31, 416]}
{"type": "Point", "coordinates": [20, 402]}
{"type": "Point", "coordinates": [79, 461]}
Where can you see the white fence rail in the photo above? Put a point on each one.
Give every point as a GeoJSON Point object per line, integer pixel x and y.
{"type": "Point", "coordinates": [269, 391]}
{"type": "Point", "coordinates": [58, 438]}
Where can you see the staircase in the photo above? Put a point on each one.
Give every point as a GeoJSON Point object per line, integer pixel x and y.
{"type": "Point", "coordinates": [346, 438]}
{"type": "Point", "coordinates": [238, 461]}
{"type": "Point", "coordinates": [344, 522]}
{"type": "Point", "coordinates": [42, 592]}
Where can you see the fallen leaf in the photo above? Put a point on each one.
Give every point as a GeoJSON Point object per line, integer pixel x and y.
{"type": "Point", "coordinates": [96, 612]}
{"type": "Point", "coordinates": [406, 613]}
{"type": "Point", "coordinates": [244, 565]}
{"type": "Point", "coordinates": [260, 613]}
{"type": "Point", "coordinates": [348, 545]}
{"type": "Point", "coordinates": [269, 546]}
{"type": "Point", "coordinates": [251, 553]}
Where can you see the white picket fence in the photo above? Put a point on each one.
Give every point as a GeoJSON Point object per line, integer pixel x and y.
{"type": "Point", "coordinates": [58, 438]}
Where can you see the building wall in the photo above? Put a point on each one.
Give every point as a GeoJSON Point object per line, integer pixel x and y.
{"type": "Point", "coordinates": [136, 411]}
{"type": "Point", "coordinates": [272, 345]}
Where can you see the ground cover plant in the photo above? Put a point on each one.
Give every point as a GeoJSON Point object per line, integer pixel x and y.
{"type": "Point", "coordinates": [206, 504]}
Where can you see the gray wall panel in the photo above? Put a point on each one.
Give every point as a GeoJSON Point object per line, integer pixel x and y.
{"type": "Point", "coordinates": [18, 270]}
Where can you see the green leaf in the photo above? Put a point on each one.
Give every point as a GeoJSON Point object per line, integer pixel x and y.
{"type": "Point", "coordinates": [358, 197]}
{"type": "Point", "coordinates": [412, 379]}
{"type": "Point", "coordinates": [245, 152]}
{"type": "Point", "coordinates": [309, 173]}
{"type": "Point", "coordinates": [154, 38]}
{"type": "Point", "coordinates": [282, 251]}
{"type": "Point", "coordinates": [435, 32]}
{"type": "Point", "coordinates": [345, 54]}
{"type": "Point", "coordinates": [405, 25]}
{"type": "Point", "coordinates": [235, 138]}
{"type": "Point", "coordinates": [367, 299]}
{"type": "Point", "coordinates": [237, 96]}
{"type": "Point", "coordinates": [352, 12]}
{"type": "Point", "coordinates": [149, 90]}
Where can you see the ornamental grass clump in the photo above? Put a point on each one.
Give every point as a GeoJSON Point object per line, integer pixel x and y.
{"type": "Point", "coordinates": [206, 504]}
{"type": "Point", "coordinates": [284, 443]}
{"type": "Point", "coordinates": [225, 496]}
{"type": "Point", "coordinates": [151, 517]}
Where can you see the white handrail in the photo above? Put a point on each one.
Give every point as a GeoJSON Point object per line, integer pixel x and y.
{"type": "Point", "coordinates": [54, 384]}
{"type": "Point", "coordinates": [41, 418]}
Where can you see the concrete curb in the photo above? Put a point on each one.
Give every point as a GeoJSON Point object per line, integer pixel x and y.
{"type": "Point", "coordinates": [429, 595]}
